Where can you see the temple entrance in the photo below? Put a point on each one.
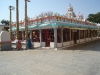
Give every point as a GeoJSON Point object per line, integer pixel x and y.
{"type": "Point", "coordinates": [46, 37]}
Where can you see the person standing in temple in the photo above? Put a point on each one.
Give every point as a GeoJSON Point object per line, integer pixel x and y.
{"type": "Point", "coordinates": [29, 43]}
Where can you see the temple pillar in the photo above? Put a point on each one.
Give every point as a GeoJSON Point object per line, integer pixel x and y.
{"type": "Point", "coordinates": [70, 37]}
{"type": "Point", "coordinates": [55, 38]}
{"type": "Point", "coordinates": [31, 35]}
{"type": "Point", "coordinates": [14, 35]}
{"type": "Point", "coordinates": [40, 37]}
{"type": "Point", "coordinates": [88, 34]}
{"type": "Point", "coordinates": [62, 36]}
{"type": "Point", "coordinates": [84, 35]}
{"type": "Point", "coordinates": [79, 36]}
{"type": "Point", "coordinates": [91, 34]}
{"type": "Point", "coordinates": [22, 35]}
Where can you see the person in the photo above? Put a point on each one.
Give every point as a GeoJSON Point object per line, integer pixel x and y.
{"type": "Point", "coordinates": [29, 43]}
{"type": "Point", "coordinates": [19, 45]}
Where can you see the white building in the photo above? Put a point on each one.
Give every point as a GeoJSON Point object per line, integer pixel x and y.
{"type": "Point", "coordinates": [2, 26]}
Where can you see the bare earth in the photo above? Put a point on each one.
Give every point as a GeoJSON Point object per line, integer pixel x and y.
{"type": "Point", "coordinates": [84, 60]}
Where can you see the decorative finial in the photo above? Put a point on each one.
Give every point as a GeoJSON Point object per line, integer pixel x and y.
{"type": "Point", "coordinates": [69, 4]}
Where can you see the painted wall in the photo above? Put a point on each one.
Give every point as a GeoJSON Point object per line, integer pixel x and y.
{"type": "Point", "coordinates": [5, 42]}
{"type": "Point", "coordinates": [2, 26]}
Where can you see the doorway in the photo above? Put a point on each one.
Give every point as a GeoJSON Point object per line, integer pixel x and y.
{"type": "Point", "coordinates": [46, 37]}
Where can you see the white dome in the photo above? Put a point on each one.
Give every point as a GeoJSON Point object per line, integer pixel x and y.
{"type": "Point", "coordinates": [71, 14]}
{"type": "Point", "coordinates": [80, 16]}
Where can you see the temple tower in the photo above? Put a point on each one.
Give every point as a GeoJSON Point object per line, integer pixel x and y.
{"type": "Point", "coordinates": [70, 12]}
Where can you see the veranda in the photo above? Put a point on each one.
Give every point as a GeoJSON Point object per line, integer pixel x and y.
{"type": "Point", "coordinates": [55, 31]}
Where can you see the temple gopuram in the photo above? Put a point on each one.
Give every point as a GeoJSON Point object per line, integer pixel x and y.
{"type": "Point", "coordinates": [54, 30]}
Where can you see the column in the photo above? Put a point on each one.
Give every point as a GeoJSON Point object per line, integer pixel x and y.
{"type": "Point", "coordinates": [88, 35]}
{"type": "Point", "coordinates": [40, 37]}
{"type": "Point", "coordinates": [70, 37]}
{"type": "Point", "coordinates": [73, 39]}
{"type": "Point", "coordinates": [22, 35]}
{"type": "Point", "coordinates": [62, 36]}
{"type": "Point", "coordinates": [14, 35]}
{"type": "Point", "coordinates": [91, 34]}
{"type": "Point", "coordinates": [17, 19]}
{"type": "Point", "coordinates": [79, 36]}
{"type": "Point", "coordinates": [55, 38]}
{"type": "Point", "coordinates": [84, 35]}
{"type": "Point", "coordinates": [31, 35]}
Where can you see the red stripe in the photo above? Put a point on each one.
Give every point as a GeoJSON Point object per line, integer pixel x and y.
{"type": "Point", "coordinates": [5, 41]}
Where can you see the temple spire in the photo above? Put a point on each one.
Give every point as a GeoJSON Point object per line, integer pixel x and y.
{"type": "Point", "coordinates": [69, 4]}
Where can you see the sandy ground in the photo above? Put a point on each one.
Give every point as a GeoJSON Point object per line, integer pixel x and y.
{"type": "Point", "coordinates": [84, 60]}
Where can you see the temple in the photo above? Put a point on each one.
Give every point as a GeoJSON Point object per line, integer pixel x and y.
{"type": "Point", "coordinates": [54, 30]}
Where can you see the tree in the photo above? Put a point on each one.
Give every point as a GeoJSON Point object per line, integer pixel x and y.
{"type": "Point", "coordinates": [6, 22]}
{"type": "Point", "coordinates": [94, 17]}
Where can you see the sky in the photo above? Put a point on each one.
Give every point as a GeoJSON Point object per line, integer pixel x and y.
{"type": "Point", "coordinates": [35, 7]}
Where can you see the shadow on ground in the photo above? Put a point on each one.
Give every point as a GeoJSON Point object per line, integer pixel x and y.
{"type": "Point", "coordinates": [13, 49]}
{"type": "Point", "coordinates": [92, 45]}
{"type": "Point", "coordinates": [22, 49]}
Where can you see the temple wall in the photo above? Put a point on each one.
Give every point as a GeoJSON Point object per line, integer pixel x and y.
{"type": "Point", "coordinates": [59, 44]}
{"type": "Point", "coordinates": [78, 41]}
{"type": "Point", "coordinates": [72, 42]}
{"type": "Point", "coordinates": [52, 44]}
{"type": "Point", "coordinates": [66, 43]}
{"type": "Point", "coordinates": [43, 44]}
{"type": "Point", "coordinates": [82, 40]}
{"type": "Point", "coordinates": [37, 44]}
{"type": "Point", "coordinates": [94, 38]}
{"type": "Point", "coordinates": [87, 39]}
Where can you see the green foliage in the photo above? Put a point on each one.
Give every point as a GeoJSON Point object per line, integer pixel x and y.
{"type": "Point", "coordinates": [94, 17]}
{"type": "Point", "coordinates": [6, 22]}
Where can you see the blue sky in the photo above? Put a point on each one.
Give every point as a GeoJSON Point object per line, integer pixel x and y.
{"type": "Point", "coordinates": [35, 7]}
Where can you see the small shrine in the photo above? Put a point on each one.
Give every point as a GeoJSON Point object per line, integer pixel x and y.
{"type": "Point", "coordinates": [5, 42]}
